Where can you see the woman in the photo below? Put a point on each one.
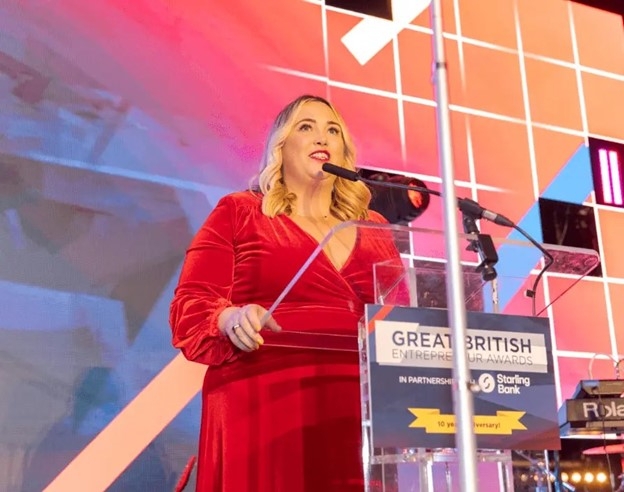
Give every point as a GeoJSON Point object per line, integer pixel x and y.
{"type": "Point", "coordinates": [281, 419]}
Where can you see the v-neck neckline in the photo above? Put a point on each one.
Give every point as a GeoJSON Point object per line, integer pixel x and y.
{"type": "Point", "coordinates": [322, 253]}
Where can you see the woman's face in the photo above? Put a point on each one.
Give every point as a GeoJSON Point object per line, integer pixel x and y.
{"type": "Point", "coordinates": [315, 138]}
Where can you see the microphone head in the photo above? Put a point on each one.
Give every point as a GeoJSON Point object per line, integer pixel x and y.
{"type": "Point", "coordinates": [341, 172]}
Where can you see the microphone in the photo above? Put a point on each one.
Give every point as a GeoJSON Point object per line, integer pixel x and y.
{"type": "Point", "coordinates": [467, 206]}
{"type": "Point", "coordinates": [341, 172]}
{"type": "Point", "coordinates": [472, 208]}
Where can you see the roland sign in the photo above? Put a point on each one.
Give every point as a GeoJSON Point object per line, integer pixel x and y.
{"type": "Point", "coordinates": [597, 410]}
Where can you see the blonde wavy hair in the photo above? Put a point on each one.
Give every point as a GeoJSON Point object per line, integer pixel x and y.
{"type": "Point", "coordinates": [350, 199]}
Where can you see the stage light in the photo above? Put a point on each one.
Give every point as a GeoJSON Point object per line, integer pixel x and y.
{"type": "Point", "coordinates": [589, 477]}
{"type": "Point", "coordinates": [601, 477]}
{"type": "Point", "coordinates": [398, 206]}
{"type": "Point", "coordinates": [576, 477]}
{"type": "Point", "coordinates": [564, 476]}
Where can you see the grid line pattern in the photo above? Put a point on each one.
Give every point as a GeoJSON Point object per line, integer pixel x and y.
{"type": "Point", "coordinates": [520, 106]}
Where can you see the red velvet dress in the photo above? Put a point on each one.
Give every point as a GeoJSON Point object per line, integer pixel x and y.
{"type": "Point", "coordinates": [277, 419]}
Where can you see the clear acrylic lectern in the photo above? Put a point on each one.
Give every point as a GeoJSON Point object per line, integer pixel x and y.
{"type": "Point", "coordinates": [413, 275]}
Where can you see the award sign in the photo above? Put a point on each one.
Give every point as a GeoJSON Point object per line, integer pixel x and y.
{"type": "Point", "coordinates": [409, 353]}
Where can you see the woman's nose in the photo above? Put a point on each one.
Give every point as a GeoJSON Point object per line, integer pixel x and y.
{"type": "Point", "coordinates": [321, 139]}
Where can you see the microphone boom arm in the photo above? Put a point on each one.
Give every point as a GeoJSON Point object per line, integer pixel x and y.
{"type": "Point", "coordinates": [467, 207]}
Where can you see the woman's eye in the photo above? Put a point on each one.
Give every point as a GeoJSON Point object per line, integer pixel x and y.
{"type": "Point", "coordinates": [335, 131]}
{"type": "Point", "coordinates": [305, 126]}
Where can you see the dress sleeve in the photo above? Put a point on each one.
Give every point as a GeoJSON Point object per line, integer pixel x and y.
{"type": "Point", "coordinates": [204, 289]}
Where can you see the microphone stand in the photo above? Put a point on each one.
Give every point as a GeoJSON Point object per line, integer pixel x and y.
{"type": "Point", "coordinates": [483, 245]}
{"type": "Point", "coordinates": [463, 401]}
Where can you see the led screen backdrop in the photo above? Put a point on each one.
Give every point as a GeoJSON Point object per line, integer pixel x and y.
{"type": "Point", "coordinates": [122, 123]}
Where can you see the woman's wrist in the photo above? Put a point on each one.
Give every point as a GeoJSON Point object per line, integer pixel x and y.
{"type": "Point", "coordinates": [224, 319]}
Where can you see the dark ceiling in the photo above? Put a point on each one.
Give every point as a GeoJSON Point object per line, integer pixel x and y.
{"type": "Point", "coordinates": [615, 6]}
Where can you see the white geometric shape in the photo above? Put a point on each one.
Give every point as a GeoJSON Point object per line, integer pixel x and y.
{"type": "Point", "coordinates": [370, 35]}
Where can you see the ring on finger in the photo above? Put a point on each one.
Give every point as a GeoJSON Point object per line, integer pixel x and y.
{"type": "Point", "coordinates": [236, 327]}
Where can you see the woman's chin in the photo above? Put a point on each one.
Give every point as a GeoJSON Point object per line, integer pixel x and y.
{"type": "Point", "coordinates": [323, 176]}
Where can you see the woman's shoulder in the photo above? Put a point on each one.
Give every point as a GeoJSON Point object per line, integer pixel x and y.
{"type": "Point", "coordinates": [376, 217]}
{"type": "Point", "coordinates": [246, 199]}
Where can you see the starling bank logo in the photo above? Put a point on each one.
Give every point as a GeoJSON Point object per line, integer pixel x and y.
{"type": "Point", "coordinates": [486, 383]}
{"type": "Point", "coordinates": [503, 384]}
{"type": "Point", "coordinates": [372, 34]}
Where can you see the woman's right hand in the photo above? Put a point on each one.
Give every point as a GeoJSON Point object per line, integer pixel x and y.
{"type": "Point", "coordinates": [242, 326]}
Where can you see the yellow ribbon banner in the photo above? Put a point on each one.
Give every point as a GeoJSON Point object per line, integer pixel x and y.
{"type": "Point", "coordinates": [503, 423]}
